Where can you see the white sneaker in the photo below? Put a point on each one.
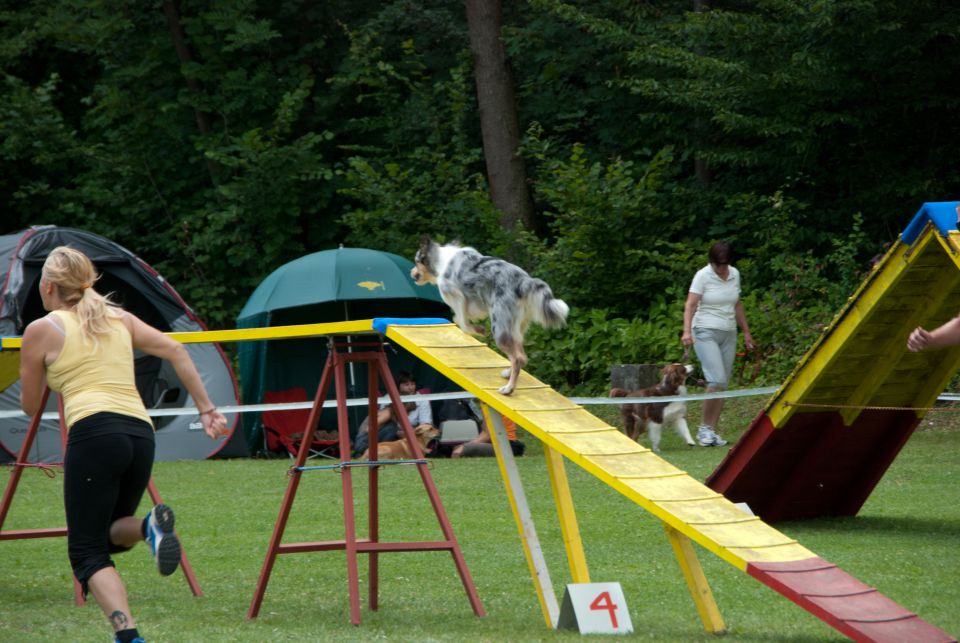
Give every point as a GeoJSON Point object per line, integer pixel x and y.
{"type": "Point", "coordinates": [706, 436]}
{"type": "Point", "coordinates": [164, 544]}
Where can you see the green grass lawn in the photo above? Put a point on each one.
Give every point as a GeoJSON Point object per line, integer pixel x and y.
{"type": "Point", "coordinates": [905, 542]}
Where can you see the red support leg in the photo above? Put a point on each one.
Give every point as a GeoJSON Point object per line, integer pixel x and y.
{"type": "Point", "coordinates": [17, 469]}
{"type": "Point", "coordinates": [184, 563]}
{"type": "Point", "coordinates": [349, 519]}
{"type": "Point", "coordinates": [451, 540]}
{"type": "Point", "coordinates": [275, 548]}
{"type": "Point", "coordinates": [373, 483]}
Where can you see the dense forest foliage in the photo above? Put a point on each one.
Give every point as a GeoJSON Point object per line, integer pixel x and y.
{"type": "Point", "coordinates": [221, 140]}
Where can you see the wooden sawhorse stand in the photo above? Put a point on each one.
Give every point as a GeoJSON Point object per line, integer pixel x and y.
{"type": "Point", "coordinates": [17, 471]}
{"type": "Point", "coordinates": [340, 354]}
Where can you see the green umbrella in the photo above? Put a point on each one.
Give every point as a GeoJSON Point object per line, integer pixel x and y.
{"type": "Point", "coordinates": [329, 286]}
{"type": "Point", "coordinates": [341, 275]}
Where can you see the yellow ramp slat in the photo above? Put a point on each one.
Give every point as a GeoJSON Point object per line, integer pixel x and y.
{"type": "Point", "coordinates": [682, 502]}
{"type": "Point", "coordinates": [9, 368]}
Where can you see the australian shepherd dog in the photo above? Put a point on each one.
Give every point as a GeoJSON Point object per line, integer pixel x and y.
{"type": "Point", "coordinates": [652, 417]}
{"type": "Point", "coordinates": [476, 287]}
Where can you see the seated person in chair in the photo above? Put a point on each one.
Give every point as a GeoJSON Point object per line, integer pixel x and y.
{"type": "Point", "coordinates": [417, 413]}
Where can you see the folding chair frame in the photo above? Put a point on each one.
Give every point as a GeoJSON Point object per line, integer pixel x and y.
{"type": "Point", "coordinates": [318, 448]}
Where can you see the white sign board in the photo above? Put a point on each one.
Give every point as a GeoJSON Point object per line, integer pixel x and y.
{"type": "Point", "coordinates": [595, 608]}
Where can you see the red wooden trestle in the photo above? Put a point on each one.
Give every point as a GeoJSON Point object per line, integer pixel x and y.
{"type": "Point", "coordinates": [17, 471]}
{"type": "Point", "coordinates": [341, 353]}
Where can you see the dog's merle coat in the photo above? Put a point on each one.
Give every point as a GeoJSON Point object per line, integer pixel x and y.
{"type": "Point", "coordinates": [477, 286]}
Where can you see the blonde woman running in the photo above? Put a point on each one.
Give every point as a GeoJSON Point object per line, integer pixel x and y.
{"type": "Point", "coordinates": [84, 350]}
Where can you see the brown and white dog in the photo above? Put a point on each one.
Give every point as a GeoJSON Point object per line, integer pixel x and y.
{"type": "Point", "coordinates": [476, 286]}
{"type": "Point", "coordinates": [399, 449]}
{"type": "Point", "coordinates": [652, 417]}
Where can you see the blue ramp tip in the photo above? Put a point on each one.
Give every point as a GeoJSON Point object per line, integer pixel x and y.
{"type": "Point", "coordinates": [943, 214]}
{"type": "Point", "coordinates": [380, 323]}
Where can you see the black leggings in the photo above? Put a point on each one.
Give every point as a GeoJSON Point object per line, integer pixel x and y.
{"type": "Point", "coordinates": [106, 469]}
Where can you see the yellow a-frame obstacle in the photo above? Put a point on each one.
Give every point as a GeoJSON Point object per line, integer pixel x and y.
{"type": "Point", "coordinates": [836, 424]}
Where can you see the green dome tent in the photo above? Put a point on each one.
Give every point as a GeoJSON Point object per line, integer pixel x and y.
{"type": "Point", "coordinates": [328, 286]}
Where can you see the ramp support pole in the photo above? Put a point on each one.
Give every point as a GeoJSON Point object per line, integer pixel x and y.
{"type": "Point", "coordinates": [696, 581]}
{"type": "Point", "coordinates": [524, 519]}
{"type": "Point", "coordinates": [567, 514]}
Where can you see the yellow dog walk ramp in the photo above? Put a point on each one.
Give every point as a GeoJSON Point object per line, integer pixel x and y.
{"type": "Point", "coordinates": [688, 509]}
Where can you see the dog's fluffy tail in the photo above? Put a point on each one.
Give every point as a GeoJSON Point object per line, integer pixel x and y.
{"type": "Point", "coordinates": [619, 392]}
{"type": "Point", "coordinates": [548, 311]}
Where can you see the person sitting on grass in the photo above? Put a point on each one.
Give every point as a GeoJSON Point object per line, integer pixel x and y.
{"type": "Point", "coordinates": [481, 446]}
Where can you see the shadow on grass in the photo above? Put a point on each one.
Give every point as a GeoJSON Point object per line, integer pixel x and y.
{"type": "Point", "coordinates": [894, 525]}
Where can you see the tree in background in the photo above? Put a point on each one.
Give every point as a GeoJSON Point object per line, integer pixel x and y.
{"type": "Point", "coordinates": [498, 116]}
{"type": "Point", "coordinates": [220, 141]}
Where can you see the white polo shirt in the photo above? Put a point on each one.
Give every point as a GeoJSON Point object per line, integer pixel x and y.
{"type": "Point", "coordinates": [717, 298]}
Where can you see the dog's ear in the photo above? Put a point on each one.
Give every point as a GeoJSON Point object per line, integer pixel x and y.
{"type": "Point", "coordinates": [425, 242]}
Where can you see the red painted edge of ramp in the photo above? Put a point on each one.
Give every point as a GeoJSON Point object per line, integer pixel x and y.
{"type": "Point", "coordinates": [739, 456]}
{"type": "Point", "coordinates": [845, 603]}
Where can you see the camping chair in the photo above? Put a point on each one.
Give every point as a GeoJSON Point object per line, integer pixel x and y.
{"type": "Point", "coordinates": [456, 432]}
{"type": "Point", "coordinates": [284, 429]}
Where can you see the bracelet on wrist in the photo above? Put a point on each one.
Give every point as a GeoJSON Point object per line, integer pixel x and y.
{"type": "Point", "coordinates": [208, 412]}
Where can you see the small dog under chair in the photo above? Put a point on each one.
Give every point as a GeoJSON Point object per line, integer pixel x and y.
{"type": "Point", "coordinates": [652, 417]}
{"type": "Point", "coordinates": [477, 286]}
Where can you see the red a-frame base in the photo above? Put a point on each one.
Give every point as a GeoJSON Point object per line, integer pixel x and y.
{"type": "Point", "coordinates": [373, 355]}
{"type": "Point", "coordinates": [17, 471]}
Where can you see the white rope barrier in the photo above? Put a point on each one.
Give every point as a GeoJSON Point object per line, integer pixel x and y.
{"type": "Point", "coordinates": [459, 395]}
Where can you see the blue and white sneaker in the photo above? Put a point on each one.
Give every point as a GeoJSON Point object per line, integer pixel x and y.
{"type": "Point", "coordinates": [139, 639]}
{"type": "Point", "coordinates": [707, 437]}
{"type": "Point", "coordinates": [164, 544]}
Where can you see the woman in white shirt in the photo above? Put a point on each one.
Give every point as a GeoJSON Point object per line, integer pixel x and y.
{"type": "Point", "coordinates": [710, 318]}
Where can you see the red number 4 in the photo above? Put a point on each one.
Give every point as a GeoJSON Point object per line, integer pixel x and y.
{"type": "Point", "coordinates": [603, 602]}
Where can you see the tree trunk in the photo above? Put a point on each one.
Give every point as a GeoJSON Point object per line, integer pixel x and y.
{"type": "Point", "coordinates": [701, 168]}
{"type": "Point", "coordinates": [183, 53]}
{"type": "Point", "coordinates": [499, 123]}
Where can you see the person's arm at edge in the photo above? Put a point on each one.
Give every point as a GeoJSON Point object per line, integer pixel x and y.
{"type": "Point", "coordinates": [946, 335]}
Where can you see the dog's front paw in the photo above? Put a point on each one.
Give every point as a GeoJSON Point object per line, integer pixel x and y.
{"type": "Point", "coordinates": [506, 389]}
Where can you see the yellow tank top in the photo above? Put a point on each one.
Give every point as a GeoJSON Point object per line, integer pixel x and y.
{"type": "Point", "coordinates": [93, 379]}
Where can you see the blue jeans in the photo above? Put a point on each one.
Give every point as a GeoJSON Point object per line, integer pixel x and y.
{"type": "Point", "coordinates": [387, 433]}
